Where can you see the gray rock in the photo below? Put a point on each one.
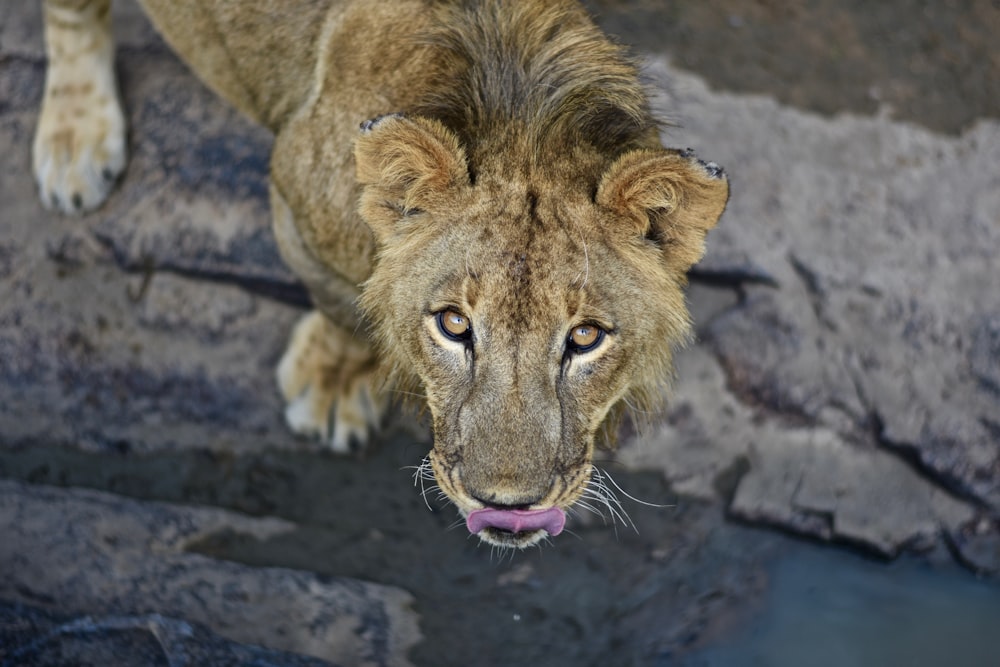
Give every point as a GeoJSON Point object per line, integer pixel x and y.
{"type": "Point", "coordinates": [32, 636]}
{"type": "Point", "coordinates": [807, 479]}
{"type": "Point", "coordinates": [85, 552]}
{"type": "Point", "coordinates": [141, 363]}
{"type": "Point", "coordinates": [815, 483]}
{"type": "Point", "coordinates": [194, 198]}
{"type": "Point", "coordinates": [882, 237]}
{"type": "Point", "coordinates": [977, 544]}
{"type": "Point", "coordinates": [984, 354]}
{"type": "Point", "coordinates": [863, 372]}
{"type": "Point", "coordinates": [157, 321]}
{"type": "Point", "coordinates": [87, 345]}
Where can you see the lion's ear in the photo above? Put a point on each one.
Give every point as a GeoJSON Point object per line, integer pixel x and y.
{"type": "Point", "coordinates": [673, 198]}
{"type": "Point", "coordinates": [407, 165]}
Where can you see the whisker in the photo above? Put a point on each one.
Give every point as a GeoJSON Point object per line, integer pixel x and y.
{"type": "Point", "coordinates": [423, 496]}
{"type": "Point", "coordinates": [593, 510]}
{"type": "Point", "coordinates": [424, 473]}
{"type": "Point", "coordinates": [611, 503]}
{"type": "Point", "coordinates": [609, 495]}
{"type": "Point", "coordinates": [630, 496]}
{"type": "Point", "coordinates": [602, 492]}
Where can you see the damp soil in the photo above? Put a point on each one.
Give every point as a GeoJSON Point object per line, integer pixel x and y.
{"type": "Point", "coordinates": [600, 593]}
{"type": "Point", "coordinates": [682, 586]}
{"type": "Point", "coordinates": [932, 62]}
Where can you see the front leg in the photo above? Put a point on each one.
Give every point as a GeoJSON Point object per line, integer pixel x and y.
{"type": "Point", "coordinates": [328, 378]}
{"type": "Point", "coordinates": [79, 148]}
{"type": "Point", "coordinates": [328, 374]}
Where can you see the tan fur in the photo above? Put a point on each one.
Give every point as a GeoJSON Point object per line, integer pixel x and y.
{"type": "Point", "coordinates": [511, 171]}
{"type": "Point", "coordinates": [79, 147]}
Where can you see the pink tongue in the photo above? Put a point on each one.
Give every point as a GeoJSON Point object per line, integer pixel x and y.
{"type": "Point", "coordinates": [550, 520]}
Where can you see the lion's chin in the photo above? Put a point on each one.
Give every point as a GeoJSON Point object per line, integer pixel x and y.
{"type": "Point", "coordinates": [508, 540]}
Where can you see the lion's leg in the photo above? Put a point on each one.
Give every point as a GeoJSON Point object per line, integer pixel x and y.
{"type": "Point", "coordinates": [328, 374]}
{"type": "Point", "coordinates": [79, 147]}
{"type": "Point", "coordinates": [328, 378]}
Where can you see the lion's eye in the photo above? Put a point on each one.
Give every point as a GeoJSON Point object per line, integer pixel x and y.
{"type": "Point", "coordinates": [454, 325]}
{"type": "Point", "coordinates": [584, 338]}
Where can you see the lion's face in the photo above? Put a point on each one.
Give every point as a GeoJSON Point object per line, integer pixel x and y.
{"type": "Point", "coordinates": [527, 310]}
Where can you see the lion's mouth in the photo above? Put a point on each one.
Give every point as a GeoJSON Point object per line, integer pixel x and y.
{"type": "Point", "coordinates": [515, 528]}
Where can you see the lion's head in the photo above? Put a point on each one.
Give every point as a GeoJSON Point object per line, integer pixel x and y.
{"type": "Point", "coordinates": [528, 305]}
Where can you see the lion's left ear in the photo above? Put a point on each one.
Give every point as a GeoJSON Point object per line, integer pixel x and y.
{"type": "Point", "coordinates": [672, 197]}
{"type": "Point", "coordinates": [407, 165]}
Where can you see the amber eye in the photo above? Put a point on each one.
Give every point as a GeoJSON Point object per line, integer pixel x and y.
{"type": "Point", "coordinates": [454, 325]}
{"type": "Point", "coordinates": [584, 338]}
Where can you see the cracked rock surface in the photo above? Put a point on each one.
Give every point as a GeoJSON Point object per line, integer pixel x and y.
{"type": "Point", "coordinates": [865, 375]}
{"type": "Point", "coordinates": [30, 635]}
{"type": "Point", "coordinates": [132, 557]}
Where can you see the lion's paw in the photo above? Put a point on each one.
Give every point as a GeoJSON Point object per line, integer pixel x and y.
{"type": "Point", "coordinates": [327, 378]}
{"type": "Point", "coordinates": [79, 147]}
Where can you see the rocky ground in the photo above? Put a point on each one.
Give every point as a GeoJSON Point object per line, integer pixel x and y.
{"type": "Point", "coordinates": [845, 386]}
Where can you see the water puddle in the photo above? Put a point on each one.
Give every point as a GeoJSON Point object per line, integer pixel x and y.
{"type": "Point", "coordinates": [824, 608]}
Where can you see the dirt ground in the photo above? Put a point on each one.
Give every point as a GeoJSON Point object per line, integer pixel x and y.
{"type": "Point", "coordinates": [933, 63]}
{"type": "Point", "coordinates": [604, 595]}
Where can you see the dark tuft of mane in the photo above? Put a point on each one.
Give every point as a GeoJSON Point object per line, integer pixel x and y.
{"type": "Point", "coordinates": [541, 67]}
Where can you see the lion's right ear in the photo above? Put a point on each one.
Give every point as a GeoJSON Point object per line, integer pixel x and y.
{"type": "Point", "coordinates": [406, 165]}
{"type": "Point", "coordinates": [670, 197]}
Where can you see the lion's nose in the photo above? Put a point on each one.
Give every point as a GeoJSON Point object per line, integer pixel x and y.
{"type": "Point", "coordinates": [505, 487]}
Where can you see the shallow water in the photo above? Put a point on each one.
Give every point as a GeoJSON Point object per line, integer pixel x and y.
{"type": "Point", "coordinates": [825, 608]}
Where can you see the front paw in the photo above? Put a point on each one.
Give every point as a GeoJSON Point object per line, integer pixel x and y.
{"type": "Point", "coordinates": [79, 148]}
{"type": "Point", "coordinates": [328, 380]}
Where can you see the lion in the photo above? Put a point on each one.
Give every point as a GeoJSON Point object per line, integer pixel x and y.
{"type": "Point", "coordinates": [477, 199]}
